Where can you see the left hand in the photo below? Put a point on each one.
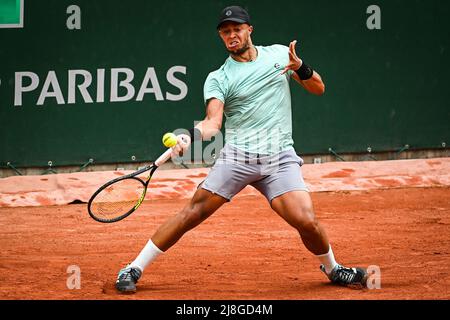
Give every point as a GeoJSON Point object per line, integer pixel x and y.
{"type": "Point", "coordinates": [294, 61]}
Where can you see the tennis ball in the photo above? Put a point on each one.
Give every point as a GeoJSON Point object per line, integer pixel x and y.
{"type": "Point", "coordinates": [169, 140]}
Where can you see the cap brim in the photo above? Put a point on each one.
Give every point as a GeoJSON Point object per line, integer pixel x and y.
{"type": "Point", "coordinates": [231, 19]}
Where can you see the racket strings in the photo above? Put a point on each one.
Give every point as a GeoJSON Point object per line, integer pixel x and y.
{"type": "Point", "coordinates": [117, 199]}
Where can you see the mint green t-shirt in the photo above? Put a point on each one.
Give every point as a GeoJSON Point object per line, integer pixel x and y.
{"type": "Point", "coordinates": [257, 101]}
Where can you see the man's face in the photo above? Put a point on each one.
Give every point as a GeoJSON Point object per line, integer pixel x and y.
{"type": "Point", "coordinates": [235, 36]}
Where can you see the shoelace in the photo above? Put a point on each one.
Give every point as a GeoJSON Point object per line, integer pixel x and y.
{"type": "Point", "coordinates": [345, 275]}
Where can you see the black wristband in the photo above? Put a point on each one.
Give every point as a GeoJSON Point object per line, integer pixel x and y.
{"type": "Point", "coordinates": [195, 134]}
{"type": "Point", "coordinates": [305, 72]}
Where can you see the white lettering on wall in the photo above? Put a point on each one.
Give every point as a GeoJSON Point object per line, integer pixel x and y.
{"type": "Point", "coordinates": [87, 80]}
{"type": "Point", "coordinates": [74, 20]}
{"type": "Point", "coordinates": [52, 81]}
{"type": "Point", "coordinates": [123, 86]}
{"type": "Point", "coordinates": [374, 20]}
{"type": "Point", "coordinates": [19, 88]}
{"type": "Point", "coordinates": [150, 75]}
{"type": "Point", "coordinates": [176, 83]}
{"type": "Point", "coordinates": [126, 83]}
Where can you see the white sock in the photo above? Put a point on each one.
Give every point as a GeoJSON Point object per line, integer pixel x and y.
{"type": "Point", "coordinates": [147, 255]}
{"type": "Point", "coordinates": [327, 260]}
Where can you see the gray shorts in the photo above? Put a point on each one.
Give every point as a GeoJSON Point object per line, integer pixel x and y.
{"type": "Point", "coordinates": [272, 175]}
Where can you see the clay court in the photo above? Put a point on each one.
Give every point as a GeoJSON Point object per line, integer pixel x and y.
{"type": "Point", "coordinates": [88, 89]}
{"type": "Point", "coordinates": [244, 251]}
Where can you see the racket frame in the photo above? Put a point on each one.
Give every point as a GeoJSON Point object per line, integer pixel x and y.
{"type": "Point", "coordinates": [152, 168]}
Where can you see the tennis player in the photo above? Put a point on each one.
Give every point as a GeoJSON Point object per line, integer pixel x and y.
{"type": "Point", "coordinates": [252, 89]}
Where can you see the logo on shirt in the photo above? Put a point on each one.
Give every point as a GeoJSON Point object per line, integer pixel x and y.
{"type": "Point", "coordinates": [277, 66]}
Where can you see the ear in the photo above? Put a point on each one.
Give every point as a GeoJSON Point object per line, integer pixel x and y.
{"type": "Point", "coordinates": [219, 34]}
{"type": "Point", "coordinates": [250, 29]}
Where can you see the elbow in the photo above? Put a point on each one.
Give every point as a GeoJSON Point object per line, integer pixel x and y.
{"type": "Point", "coordinates": [320, 90]}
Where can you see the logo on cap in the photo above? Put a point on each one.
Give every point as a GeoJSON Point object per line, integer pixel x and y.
{"type": "Point", "coordinates": [228, 13]}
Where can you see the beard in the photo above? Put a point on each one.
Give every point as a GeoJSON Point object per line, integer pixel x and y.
{"type": "Point", "coordinates": [240, 51]}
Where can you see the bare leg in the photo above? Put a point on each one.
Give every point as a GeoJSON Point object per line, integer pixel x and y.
{"type": "Point", "coordinates": [297, 209]}
{"type": "Point", "coordinates": [202, 205]}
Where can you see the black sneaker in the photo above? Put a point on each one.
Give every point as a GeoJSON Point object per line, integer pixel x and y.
{"type": "Point", "coordinates": [127, 279]}
{"type": "Point", "coordinates": [349, 277]}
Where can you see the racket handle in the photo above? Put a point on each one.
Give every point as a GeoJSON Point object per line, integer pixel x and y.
{"type": "Point", "coordinates": [164, 157]}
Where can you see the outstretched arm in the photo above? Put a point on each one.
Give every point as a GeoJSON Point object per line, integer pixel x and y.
{"type": "Point", "coordinates": [314, 84]}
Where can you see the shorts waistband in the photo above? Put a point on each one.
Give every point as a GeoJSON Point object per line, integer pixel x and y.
{"type": "Point", "coordinates": [230, 152]}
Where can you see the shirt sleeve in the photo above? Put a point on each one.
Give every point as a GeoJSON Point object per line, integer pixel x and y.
{"type": "Point", "coordinates": [213, 89]}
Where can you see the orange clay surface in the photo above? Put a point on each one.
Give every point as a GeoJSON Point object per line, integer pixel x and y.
{"type": "Point", "coordinates": [395, 216]}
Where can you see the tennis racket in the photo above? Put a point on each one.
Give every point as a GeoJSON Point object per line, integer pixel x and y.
{"type": "Point", "coordinates": [120, 197]}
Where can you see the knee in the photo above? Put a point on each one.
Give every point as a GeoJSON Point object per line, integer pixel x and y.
{"type": "Point", "coordinates": [192, 216]}
{"type": "Point", "coordinates": [307, 223]}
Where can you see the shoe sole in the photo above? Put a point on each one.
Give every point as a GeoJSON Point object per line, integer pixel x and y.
{"type": "Point", "coordinates": [356, 286]}
{"type": "Point", "coordinates": [126, 289]}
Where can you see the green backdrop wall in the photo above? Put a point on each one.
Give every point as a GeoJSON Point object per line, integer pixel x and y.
{"type": "Point", "coordinates": [384, 88]}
